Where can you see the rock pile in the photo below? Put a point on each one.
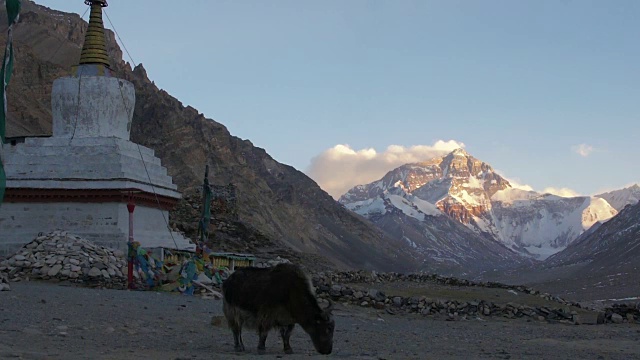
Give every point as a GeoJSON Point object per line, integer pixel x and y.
{"type": "Point", "coordinates": [63, 256]}
{"type": "Point", "coordinates": [453, 309]}
{"type": "Point", "coordinates": [331, 285]}
{"type": "Point", "coordinates": [4, 282]}
{"type": "Point", "coordinates": [619, 313]}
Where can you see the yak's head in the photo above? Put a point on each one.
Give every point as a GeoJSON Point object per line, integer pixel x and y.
{"type": "Point", "coordinates": [321, 330]}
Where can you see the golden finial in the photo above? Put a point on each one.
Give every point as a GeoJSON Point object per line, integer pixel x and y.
{"type": "Point", "coordinates": [94, 50]}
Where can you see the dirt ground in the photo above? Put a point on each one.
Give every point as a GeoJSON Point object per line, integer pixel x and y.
{"type": "Point", "coordinates": [53, 321]}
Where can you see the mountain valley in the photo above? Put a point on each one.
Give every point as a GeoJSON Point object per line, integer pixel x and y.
{"type": "Point", "coordinates": [452, 215]}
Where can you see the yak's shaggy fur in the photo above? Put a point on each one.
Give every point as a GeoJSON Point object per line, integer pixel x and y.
{"type": "Point", "coordinates": [275, 297]}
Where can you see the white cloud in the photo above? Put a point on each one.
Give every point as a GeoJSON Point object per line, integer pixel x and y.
{"type": "Point", "coordinates": [517, 185]}
{"type": "Point", "coordinates": [340, 168]}
{"type": "Point", "coordinates": [515, 182]}
{"type": "Point", "coordinates": [582, 149]}
{"type": "Point", "coordinates": [564, 192]}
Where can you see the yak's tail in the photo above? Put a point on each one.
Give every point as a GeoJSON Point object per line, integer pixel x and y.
{"type": "Point", "coordinates": [237, 317]}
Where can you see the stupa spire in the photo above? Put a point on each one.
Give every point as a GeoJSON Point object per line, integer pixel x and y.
{"type": "Point", "coordinates": [94, 57]}
{"type": "Point", "coordinates": [94, 50]}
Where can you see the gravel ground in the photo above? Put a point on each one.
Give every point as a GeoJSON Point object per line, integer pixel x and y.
{"type": "Point", "coordinates": [53, 321]}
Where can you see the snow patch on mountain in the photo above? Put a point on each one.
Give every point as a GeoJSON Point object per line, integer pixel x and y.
{"type": "Point", "coordinates": [366, 208]}
{"type": "Point", "coordinates": [394, 198]}
{"type": "Point", "coordinates": [597, 210]}
{"type": "Point", "coordinates": [464, 197]}
{"type": "Point", "coordinates": [426, 207]}
{"type": "Point", "coordinates": [623, 197]}
{"type": "Point", "coordinates": [547, 224]}
{"type": "Point", "coordinates": [405, 206]}
{"type": "Point", "coordinates": [474, 183]}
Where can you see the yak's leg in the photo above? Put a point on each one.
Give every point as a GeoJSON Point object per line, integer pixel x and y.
{"type": "Point", "coordinates": [237, 336]}
{"type": "Point", "coordinates": [285, 332]}
{"type": "Point", "coordinates": [263, 331]}
{"type": "Point", "coordinates": [235, 322]}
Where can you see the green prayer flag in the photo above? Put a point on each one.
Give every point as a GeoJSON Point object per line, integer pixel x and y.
{"type": "Point", "coordinates": [205, 218]}
{"type": "Point", "coordinates": [13, 13]}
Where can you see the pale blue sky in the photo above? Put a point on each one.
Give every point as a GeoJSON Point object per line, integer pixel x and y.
{"type": "Point", "coordinates": [518, 82]}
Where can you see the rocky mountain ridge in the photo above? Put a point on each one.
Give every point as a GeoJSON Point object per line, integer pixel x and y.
{"type": "Point", "coordinates": [471, 192]}
{"type": "Point", "coordinates": [622, 197]}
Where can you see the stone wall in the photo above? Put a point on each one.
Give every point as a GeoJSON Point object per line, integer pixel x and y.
{"type": "Point", "coordinates": [224, 207]}
{"type": "Point", "coordinates": [334, 286]}
{"type": "Point", "coordinates": [224, 203]}
{"type": "Point", "coordinates": [105, 224]}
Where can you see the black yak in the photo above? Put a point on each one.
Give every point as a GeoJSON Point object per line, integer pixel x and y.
{"type": "Point", "coordinates": [280, 296]}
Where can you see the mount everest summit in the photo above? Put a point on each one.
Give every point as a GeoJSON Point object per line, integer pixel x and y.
{"type": "Point", "coordinates": [470, 192]}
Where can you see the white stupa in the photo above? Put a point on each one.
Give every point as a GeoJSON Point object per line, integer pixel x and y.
{"type": "Point", "coordinates": [81, 178]}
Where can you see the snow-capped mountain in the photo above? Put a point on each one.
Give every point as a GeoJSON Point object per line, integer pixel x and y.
{"type": "Point", "coordinates": [543, 224]}
{"type": "Point", "coordinates": [471, 192]}
{"type": "Point", "coordinates": [614, 246]}
{"type": "Point", "coordinates": [623, 197]}
{"type": "Point", "coordinates": [458, 184]}
{"type": "Point", "coordinates": [600, 264]}
{"type": "Point", "coordinates": [444, 245]}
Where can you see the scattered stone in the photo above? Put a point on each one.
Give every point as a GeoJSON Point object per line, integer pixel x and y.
{"type": "Point", "coordinates": [4, 282]}
{"type": "Point", "coordinates": [616, 319]}
{"type": "Point", "coordinates": [389, 311]}
{"type": "Point", "coordinates": [397, 301]}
